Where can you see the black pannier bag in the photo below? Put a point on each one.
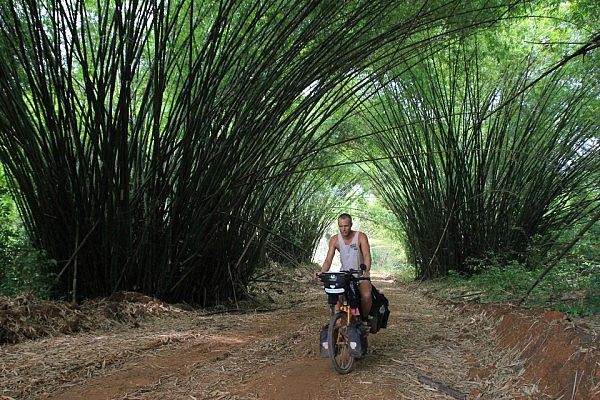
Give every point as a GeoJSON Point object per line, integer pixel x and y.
{"type": "Point", "coordinates": [323, 346]}
{"type": "Point", "coordinates": [357, 344]}
{"type": "Point", "coordinates": [380, 311]}
{"type": "Point", "coordinates": [353, 295]}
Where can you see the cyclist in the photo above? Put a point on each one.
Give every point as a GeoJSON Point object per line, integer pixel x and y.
{"type": "Point", "coordinates": [354, 250]}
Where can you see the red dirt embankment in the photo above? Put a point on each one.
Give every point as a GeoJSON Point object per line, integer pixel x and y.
{"type": "Point", "coordinates": [559, 356]}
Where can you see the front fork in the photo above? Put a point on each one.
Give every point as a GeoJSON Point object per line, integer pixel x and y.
{"type": "Point", "coordinates": [344, 307]}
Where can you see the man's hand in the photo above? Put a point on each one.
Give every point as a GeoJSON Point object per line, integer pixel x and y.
{"type": "Point", "coordinates": [318, 275]}
{"type": "Point", "coordinates": [365, 272]}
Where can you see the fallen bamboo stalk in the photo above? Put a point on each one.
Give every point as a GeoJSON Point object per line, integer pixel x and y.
{"type": "Point", "coordinates": [272, 281]}
{"type": "Point", "coordinates": [442, 387]}
{"type": "Point", "coordinates": [466, 295]}
{"type": "Point", "coordinates": [560, 256]}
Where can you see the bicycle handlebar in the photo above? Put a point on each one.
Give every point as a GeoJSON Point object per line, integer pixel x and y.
{"type": "Point", "coordinates": [351, 273]}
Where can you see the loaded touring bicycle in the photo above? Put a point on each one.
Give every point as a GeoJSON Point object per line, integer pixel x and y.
{"type": "Point", "coordinates": [345, 337]}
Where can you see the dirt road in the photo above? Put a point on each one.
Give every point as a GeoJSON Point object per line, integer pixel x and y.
{"type": "Point", "coordinates": [273, 355]}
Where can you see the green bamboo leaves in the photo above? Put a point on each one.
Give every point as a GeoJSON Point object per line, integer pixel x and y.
{"type": "Point", "coordinates": [470, 180]}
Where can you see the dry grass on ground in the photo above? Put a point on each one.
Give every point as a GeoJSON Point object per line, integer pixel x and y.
{"type": "Point", "coordinates": [132, 346]}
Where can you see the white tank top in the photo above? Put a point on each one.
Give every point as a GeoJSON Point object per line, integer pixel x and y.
{"type": "Point", "coordinates": [350, 255]}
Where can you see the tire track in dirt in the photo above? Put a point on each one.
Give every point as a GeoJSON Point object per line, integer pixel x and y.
{"type": "Point", "coordinates": [148, 370]}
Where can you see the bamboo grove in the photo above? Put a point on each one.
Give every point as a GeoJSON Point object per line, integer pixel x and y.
{"type": "Point", "coordinates": [155, 145]}
{"type": "Point", "coordinates": [485, 167]}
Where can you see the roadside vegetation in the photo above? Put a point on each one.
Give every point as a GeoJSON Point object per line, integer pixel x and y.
{"type": "Point", "coordinates": [573, 286]}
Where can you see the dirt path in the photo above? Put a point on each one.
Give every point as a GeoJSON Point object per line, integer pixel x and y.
{"type": "Point", "coordinates": [273, 356]}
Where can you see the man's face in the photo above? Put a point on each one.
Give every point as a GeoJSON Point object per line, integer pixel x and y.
{"type": "Point", "coordinates": [344, 224]}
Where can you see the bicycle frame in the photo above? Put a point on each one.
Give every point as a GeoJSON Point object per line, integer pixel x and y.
{"type": "Point", "coordinates": [343, 307]}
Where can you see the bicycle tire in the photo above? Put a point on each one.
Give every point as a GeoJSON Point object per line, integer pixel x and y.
{"type": "Point", "coordinates": [337, 342]}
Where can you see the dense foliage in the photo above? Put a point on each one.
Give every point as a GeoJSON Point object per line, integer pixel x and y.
{"type": "Point", "coordinates": [23, 268]}
{"type": "Point", "coordinates": [572, 286]}
{"type": "Point", "coordinates": [308, 210]}
{"type": "Point", "coordinates": [152, 143]}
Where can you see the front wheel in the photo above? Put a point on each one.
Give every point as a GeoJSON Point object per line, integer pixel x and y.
{"type": "Point", "coordinates": [337, 342]}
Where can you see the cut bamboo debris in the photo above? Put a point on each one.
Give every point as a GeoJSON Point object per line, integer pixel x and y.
{"type": "Point", "coordinates": [442, 387]}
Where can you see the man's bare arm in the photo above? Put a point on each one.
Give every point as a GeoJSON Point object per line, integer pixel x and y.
{"type": "Point", "coordinates": [365, 248]}
{"type": "Point", "coordinates": [330, 254]}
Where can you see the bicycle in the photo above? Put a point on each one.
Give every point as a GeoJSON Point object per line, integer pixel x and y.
{"type": "Point", "coordinates": [338, 287]}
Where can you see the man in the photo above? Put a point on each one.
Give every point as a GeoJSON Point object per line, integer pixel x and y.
{"type": "Point", "coordinates": [354, 250]}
